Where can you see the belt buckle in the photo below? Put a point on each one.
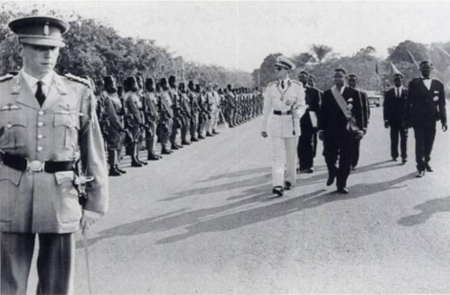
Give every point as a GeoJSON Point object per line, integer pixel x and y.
{"type": "Point", "coordinates": [36, 166]}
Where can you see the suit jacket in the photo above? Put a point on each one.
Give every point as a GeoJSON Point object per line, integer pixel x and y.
{"type": "Point", "coordinates": [423, 105]}
{"type": "Point", "coordinates": [313, 98]}
{"type": "Point", "coordinates": [65, 128]}
{"type": "Point", "coordinates": [394, 107]}
{"type": "Point", "coordinates": [277, 99]}
{"type": "Point", "coordinates": [364, 107]}
{"type": "Point", "coordinates": [331, 118]}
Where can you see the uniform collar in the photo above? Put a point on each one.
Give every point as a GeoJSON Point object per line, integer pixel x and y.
{"type": "Point", "coordinates": [31, 81]}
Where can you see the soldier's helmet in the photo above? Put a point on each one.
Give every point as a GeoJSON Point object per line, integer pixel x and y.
{"type": "Point", "coordinates": [163, 82]}
{"type": "Point", "coordinates": [149, 84]}
{"type": "Point", "coordinates": [172, 80]}
{"type": "Point", "coordinates": [191, 85]}
{"type": "Point", "coordinates": [130, 84]}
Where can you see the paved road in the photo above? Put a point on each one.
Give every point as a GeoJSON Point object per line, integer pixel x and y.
{"type": "Point", "coordinates": [203, 221]}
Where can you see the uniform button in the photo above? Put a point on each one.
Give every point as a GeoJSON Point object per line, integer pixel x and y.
{"type": "Point", "coordinates": [9, 125]}
{"type": "Point", "coordinates": [40, 124]}
{"type": "Point", "coordinates": [40, 113]}
{"type": "Point", "coordinates": [40, 136]}
{"type": "Point", "coordinates": [39, 149]}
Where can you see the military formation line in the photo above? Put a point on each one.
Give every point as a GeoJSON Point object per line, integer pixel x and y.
{"type": "Point", "coordinates": [142, 113]}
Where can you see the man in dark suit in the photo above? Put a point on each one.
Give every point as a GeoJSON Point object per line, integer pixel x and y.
{"type": "Point", "coordinates": [340, 105]}
{"type": "Point", "coordinates": [393, 111]}
{"type": "Point", "coordinates": [424, 106]}
{"type": "Point", "coordinates": [352, 82]}
{"type": "Point", "coordinates": [306, 148]}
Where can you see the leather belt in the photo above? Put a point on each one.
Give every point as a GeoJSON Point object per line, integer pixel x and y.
{"type": "Point", "coordinates": [280, 113]}
{"type": "Point", "coordinates": [22, 164]}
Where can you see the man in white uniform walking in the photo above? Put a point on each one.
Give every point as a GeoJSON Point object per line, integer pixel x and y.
{"type": "Point", "coordinates": [284, 105]}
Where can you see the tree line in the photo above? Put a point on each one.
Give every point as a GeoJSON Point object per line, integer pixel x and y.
{"type": "Point", "coordinates": [94, 49]}
{"type": "Point", "coordinates": [373, 73]}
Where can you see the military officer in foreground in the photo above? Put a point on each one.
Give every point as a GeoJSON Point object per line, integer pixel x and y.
{"type": "Point", "coordinates": [47, 124]}
{"type": "Point", "coordinates": [424, 106]}
{"type": "Point", "coordinates": [284, 105]}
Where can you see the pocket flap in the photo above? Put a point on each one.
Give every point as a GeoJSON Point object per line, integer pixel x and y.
{"type": "Point", "coordinates": [8, 173]}
{"type": "Point", "coordinates": [64, 176]}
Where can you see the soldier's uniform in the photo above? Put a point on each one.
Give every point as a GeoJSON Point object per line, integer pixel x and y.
{"type": "Point", "coordinates": [193, 102]}
{"type": "Point", "coordinates": [167, 116]}
{"type": "Point", "coordinates": [115, 131]}
{"type": "Point", "coordinates": [151, 118]}
{"type": "Point", "coordinates": [134, 120]}
{"type": "Point", "coordinates": [284, 104]}
{"type": "Point", "coordinates": [39, 143]}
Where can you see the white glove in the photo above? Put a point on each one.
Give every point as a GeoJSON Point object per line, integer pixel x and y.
{"type": "Point", "coordinates": [89, 218]}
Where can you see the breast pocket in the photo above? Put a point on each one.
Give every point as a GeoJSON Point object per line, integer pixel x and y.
{"type": "Point", "coordinates": [67, 125]}
{"type": "Point", "coordinates": [13, 133]}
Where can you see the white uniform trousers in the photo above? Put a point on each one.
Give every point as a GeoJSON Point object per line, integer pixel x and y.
{"type": "Point", "coordinates": [284, 160]}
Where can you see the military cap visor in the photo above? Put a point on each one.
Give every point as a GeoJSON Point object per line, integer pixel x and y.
{"type": "Point", "coordinates": [40, 30]}
{"type": "Point", "coordinates": [285, 63]}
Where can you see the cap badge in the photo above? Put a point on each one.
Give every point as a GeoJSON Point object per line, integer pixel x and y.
{"type": "Point", "coordinates": [46, 29]}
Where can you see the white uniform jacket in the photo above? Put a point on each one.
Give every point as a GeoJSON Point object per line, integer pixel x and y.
{"type": "Point", "coordinates": [289, 104]}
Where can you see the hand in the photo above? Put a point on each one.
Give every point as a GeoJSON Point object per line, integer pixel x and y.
{"type": "Point", "coordinates": [359, 135]}
{"type": "Point", "coordinates": [264, 134]}
{"type": "Point", "coordinates": [364, 131]}
{"type": "Point", "coordinates": [444, 127]}
{"type": "Point", "coordinates": [88, 219]}
{"type": "Point", "coordinates": [386, 124]}
{"type": "Point", "coordinates": [320, 135]}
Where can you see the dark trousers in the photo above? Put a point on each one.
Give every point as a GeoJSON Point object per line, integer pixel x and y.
{"type": "Point", "coordinates": [193, 126]}
{"type": "Point", "coordinates": [396, 133]}
{"type": "Point", "coordinates": [334, 147]}
{"type": "Point", "coordinates": [354, 146]}
{"type": "Point", "coordinates": [306, 148]}
{"type": "Point", "coordinates": [424, 134]}
{"type": "Point", "coordinates": [54, 263]}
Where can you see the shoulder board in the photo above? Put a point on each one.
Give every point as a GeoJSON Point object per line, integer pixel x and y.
{"type": "Point", "coordinates": [6, 77]}
{"type": "Point", "coordinates": [78, 79]}
{"type": "Point", "coordinates": [298, 83]}
{"type": "Point", "coordinates": [272, 83]}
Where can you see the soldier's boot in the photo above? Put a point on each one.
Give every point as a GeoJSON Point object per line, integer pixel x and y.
{"type": "Point", "coordinates": [112, 163]}
{"type": "Point", "coordinates": [152, 157]}
{"type": "Point", "coordinates": [134, 160]}
{"type": "Point", "coordinates": [120, 170]}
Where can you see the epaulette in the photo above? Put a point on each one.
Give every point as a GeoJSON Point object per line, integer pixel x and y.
{"type": "Point", "coordinates": [298, 83]}
{"type": "Point", "coordinates": [272, 83]}
{"type": "Point", "coordinates": [78, 79]}
{"type": "Point", "coordinates": [6, 77]}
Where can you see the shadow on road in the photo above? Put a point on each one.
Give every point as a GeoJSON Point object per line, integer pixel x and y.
{"type": "Point", "coordinates": [370, 167]}
{"type": "Point", "coordinates": [237, 174]}
{"type": "Point", "coordinates": [429, 208]}
{"type": "Point", "coordinates": [260, 180]}
{"type": "Point", "coordinates": [206, 220]}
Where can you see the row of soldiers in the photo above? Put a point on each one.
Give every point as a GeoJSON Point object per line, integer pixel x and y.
{"type": "Point", "coordinates": [144, 112]}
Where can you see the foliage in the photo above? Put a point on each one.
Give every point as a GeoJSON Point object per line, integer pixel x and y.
{"type": "Point", "coordinates": [94, 49]}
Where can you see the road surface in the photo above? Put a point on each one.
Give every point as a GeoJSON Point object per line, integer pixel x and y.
{"type": "Point", "coordinates": [203, 221]}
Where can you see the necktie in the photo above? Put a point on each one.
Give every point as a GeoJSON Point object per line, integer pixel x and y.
{"type": "Point", "coordinates": [282, 84]}
{"type": "Point", "coordinates": [40, 93]}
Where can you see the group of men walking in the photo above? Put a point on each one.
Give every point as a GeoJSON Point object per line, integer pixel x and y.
{"type": "Point", "coordinates": [296, 113]}
{"type": "Point", "coordinates": [145, 111]}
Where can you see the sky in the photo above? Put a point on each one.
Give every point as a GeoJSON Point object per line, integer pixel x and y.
{"type": "Point", "coordinates": [240, 34]}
